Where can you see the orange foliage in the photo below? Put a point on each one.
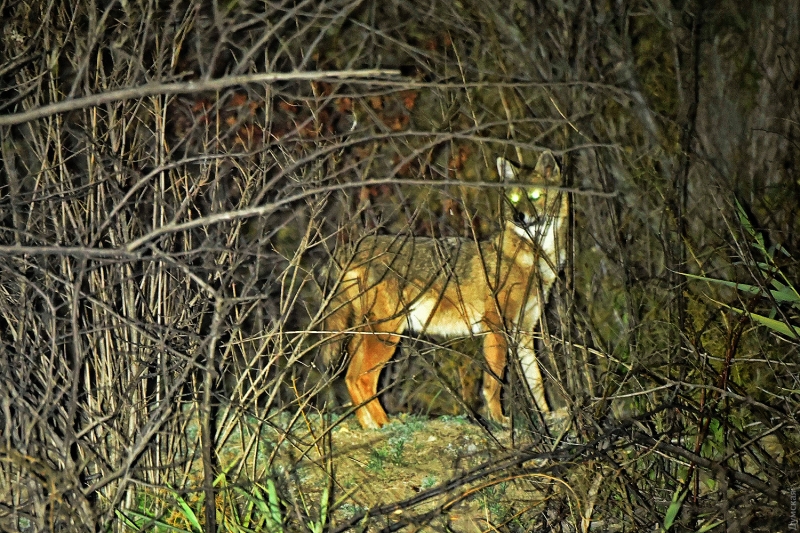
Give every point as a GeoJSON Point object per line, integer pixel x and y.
{"type": "Point", "coordinates": [376, 102]}
{"type": "Point", "coordinates": [409, 99]}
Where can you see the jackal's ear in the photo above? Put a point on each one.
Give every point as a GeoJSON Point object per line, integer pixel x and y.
{"type": "Point", "coordinates": [547, 167]}
{"type": "Point", "coordinates": [506, 169]}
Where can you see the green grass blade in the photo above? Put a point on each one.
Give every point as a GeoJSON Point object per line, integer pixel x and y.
{"type": "Point", "coordinates": [155, 522]}
{"type": "Point", "coordinates": [709, 527]}
{"type": "Point", "coordinates": [784, 295]}
{"type": "Point", "coordinates": [771, 323]}
{"type": "Point", "coordinates": [674, 508]}
{"type": "Point", "coordinates": [189, 514]}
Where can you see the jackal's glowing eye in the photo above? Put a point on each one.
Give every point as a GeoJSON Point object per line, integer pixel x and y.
{"type": "Point", "coordinates": [514, 197]}
{"type": "Point", "coordinates": [534, 194]}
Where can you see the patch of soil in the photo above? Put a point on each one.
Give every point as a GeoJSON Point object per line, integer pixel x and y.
{"type": "Point", "coordinates": [439, 472]}
{"type": "Point", "coordinates": [413, 470]}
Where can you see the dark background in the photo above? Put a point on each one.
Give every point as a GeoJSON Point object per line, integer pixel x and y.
{"type": "Point", "coordinates": [167, 249]}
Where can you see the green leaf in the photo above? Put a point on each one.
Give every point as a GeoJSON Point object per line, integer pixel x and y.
{"type": "Point", "coordinates": [252, 502]}
{"type": "Point", "coordinates": [127, 521]}
{"type": "Point", "coordinates": [323, 512]}
{"type": "Point", "coordinates": [748, 226]}
{"type": "Point", "coordinates": [771, 323]}
{"type": "Point", "coordinates": [775, 325]}
{"type": "Point", "coordinates": [189, 514]}
{"type": "Point", "coordinates": [674, 508]}
{"type": "Point", "coordinates": [709, 527]}
{"type": "Point", "coordinates": [784, 295]}
{"type": "Point", "coordinates": [274, 507]}
{"type": "Point", "coordinates": [154, 522]}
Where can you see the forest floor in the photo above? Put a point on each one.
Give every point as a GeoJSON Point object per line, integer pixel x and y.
{"type": "Point", "coordinates": [437, 471]}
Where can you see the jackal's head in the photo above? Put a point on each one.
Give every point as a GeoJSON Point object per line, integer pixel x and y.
{"type": "Point", "coordinates": [537, 204]}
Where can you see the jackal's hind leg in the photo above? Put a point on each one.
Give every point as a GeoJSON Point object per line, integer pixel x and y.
{"type": "Point", "coordinates": [370, 352]}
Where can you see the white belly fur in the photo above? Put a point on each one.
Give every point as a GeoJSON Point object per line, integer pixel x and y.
{"type": "Point", "coordinates": [454, 325]}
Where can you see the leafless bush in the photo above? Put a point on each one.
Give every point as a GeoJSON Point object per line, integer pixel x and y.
{"type": "Point", "coordinates": [163, 248]}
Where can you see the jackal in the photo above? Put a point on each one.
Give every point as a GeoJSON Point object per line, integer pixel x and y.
{"type": "Point", "coordinates": [453, 287]}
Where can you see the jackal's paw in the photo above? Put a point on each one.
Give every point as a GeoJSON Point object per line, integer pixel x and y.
{"type": "Point", "coordinates": [559, 414]}
{"type": "Point", "coordinates": [558, 420]}
{"type": "Point", "coordinates": [368, 422]}
{"type": "Point", "coordinates": [503, 421]}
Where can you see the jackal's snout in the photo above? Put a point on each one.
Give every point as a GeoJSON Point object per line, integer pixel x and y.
{"type": "Point", "coordinates": [526, 220]}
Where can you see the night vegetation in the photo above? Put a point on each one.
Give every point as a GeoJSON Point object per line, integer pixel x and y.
{"type": "Point", "coordinates": [175, 178]}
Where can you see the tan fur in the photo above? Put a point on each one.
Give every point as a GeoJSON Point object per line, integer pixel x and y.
{"type": "Point", "coordinates": [454, 287]}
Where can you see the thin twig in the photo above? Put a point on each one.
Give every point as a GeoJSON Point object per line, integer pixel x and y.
{"type": "Point", "coordinates": [152, 89]}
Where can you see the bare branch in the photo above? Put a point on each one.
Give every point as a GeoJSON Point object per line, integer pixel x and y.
{"type": "Point", "coordinates": [152, 89]}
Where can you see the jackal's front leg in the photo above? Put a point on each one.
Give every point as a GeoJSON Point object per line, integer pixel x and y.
{"type": "Point", "coordinates": [495, 349]}
{"type": "Point", "coordinates": [531, 371]}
